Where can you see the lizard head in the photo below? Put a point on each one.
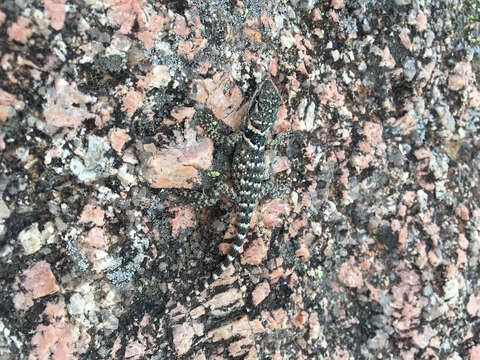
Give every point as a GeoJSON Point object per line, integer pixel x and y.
{"type": "Point", "coordinates": [263, 108]}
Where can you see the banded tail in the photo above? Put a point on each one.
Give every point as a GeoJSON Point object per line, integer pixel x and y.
{"type": "Point", "coordinates": [244, 216]}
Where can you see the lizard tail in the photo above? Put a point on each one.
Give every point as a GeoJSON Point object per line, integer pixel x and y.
{"type": "Point", "coordinates": [244, 217]}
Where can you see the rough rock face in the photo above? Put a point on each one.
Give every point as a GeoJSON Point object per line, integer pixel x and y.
{"type": "Point", "coordinates": [372, 249]}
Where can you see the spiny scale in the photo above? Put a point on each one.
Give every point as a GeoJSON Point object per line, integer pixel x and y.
{"type": "Point", "coordinates": [248, 165]}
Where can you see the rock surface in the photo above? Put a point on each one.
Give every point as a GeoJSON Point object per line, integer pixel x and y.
{"type": "Point", "coordinates": [371, 248]}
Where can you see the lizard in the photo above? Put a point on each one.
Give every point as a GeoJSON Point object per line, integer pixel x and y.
{"type": "Point", "coordinates": [248, 170]}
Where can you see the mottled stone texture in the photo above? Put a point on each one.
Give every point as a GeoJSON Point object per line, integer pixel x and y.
{"type": "Point", "coordinates": [364, 117]}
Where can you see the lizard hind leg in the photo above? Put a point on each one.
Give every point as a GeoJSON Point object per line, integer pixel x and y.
{"type": "Point", "coordinates": [206, 197]}
{"type": "Point", "coordinates": [281, 138]}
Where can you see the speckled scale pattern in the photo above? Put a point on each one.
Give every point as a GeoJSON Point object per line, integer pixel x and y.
{"type": "Point", "coordinates": [248, 165]}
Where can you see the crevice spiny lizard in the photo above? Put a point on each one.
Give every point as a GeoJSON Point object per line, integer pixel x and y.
{"type": "Point", "coordinates": [248, 167]}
